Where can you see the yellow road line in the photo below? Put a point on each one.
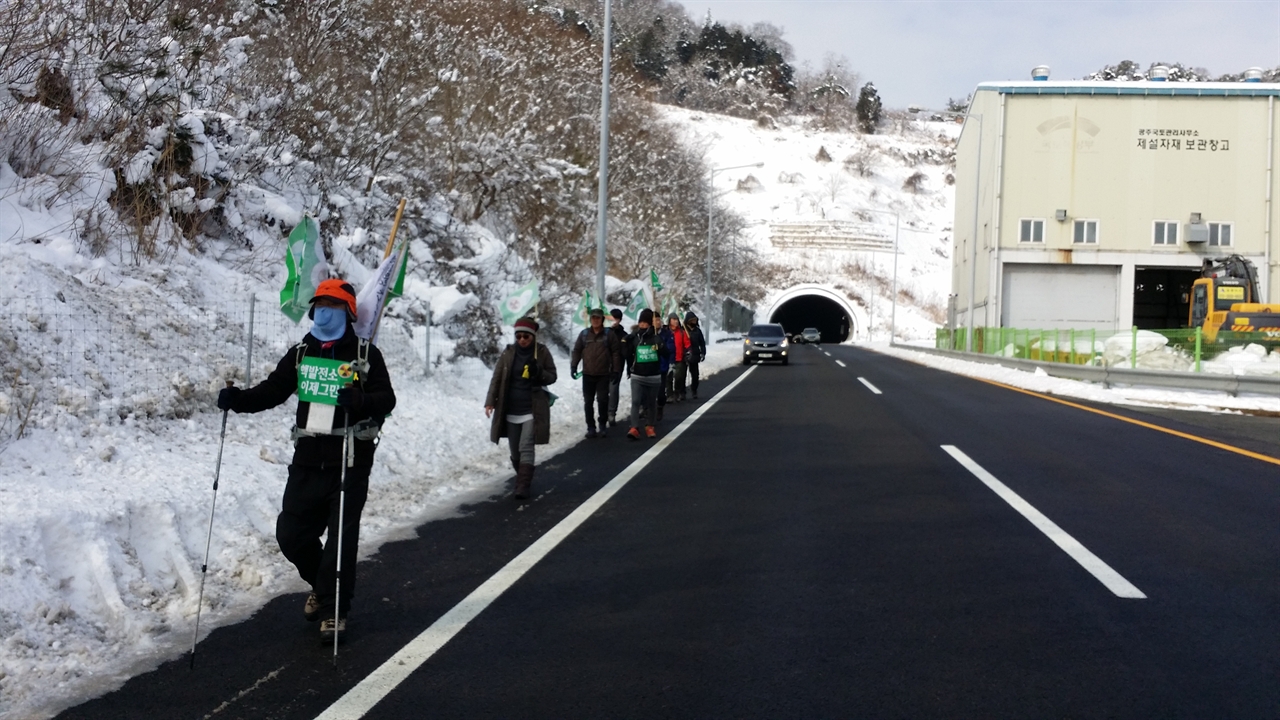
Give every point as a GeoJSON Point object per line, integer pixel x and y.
{"type": "Point", "coordinates": [1187, 436]}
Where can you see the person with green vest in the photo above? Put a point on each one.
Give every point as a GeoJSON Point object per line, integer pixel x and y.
{"type": "Point", "coordinates": [646, 353]}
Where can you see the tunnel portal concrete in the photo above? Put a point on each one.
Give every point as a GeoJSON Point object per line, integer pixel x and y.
{"type": "Point", "coordinates": [818, 307]}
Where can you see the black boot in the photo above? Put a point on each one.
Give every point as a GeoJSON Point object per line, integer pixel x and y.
{"type": "Point", "coordinates": [524, 479]}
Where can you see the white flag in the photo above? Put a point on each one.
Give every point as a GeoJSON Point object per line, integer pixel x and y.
{"type": "Point", "coordinates": [373, 295]}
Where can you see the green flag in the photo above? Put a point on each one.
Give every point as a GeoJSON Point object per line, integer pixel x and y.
{"type": "Point", "coordinates": [654, 281]}
{"type": "Point", "coordinates": [668, 306]}
{"type": "Point", "coordinates": [638, 302]}
{"type": "Point", "coordinates": [580, 318]}
{"type": "Point", "coordinates": [522, 301]}
{"type": "Point", "coordinates": [397, 289]}
{"type": "Point", "coordinates": [306, 266]}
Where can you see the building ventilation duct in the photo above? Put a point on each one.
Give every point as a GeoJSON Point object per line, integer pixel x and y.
{"type": "Point", "coordinates": [1040, 72]}
{"type": "Point", "coordinates": [1159, 73]}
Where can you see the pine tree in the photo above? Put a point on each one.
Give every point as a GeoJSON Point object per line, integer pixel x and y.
{"type": "Point", "coordinates": [869, 109]}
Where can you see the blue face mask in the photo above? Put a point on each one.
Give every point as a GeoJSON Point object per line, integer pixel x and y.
{"type": "Point", "coordinates": [329, 323]}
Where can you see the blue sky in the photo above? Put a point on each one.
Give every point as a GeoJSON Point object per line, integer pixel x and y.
{"type": "Point", "coordinates": [923, 52]}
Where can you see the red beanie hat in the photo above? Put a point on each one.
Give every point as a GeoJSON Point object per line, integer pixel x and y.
{"type": "Point", "coordinates": [527, 324]}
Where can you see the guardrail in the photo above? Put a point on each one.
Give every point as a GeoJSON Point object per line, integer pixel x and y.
{"type": "Point", "coordinates": [1232, 384]}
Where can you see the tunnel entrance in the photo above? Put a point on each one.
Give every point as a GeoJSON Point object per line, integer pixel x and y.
{"type": "Point", "coordinates": [814, 311]}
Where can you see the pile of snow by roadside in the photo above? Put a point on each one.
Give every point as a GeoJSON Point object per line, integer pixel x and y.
{"type": "Point", "coordinates": [1043, 383]}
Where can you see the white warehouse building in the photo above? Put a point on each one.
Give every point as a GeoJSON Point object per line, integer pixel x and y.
{"type": "Point", "coordinates": [1094, 204]}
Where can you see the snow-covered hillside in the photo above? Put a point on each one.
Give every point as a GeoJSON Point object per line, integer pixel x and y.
{"type": "Point", "coordinates": [870, 183]}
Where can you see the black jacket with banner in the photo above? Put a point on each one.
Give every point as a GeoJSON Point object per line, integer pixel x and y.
{"type": "Point", "coordinates": [646, 352]}
{"type": "Point", "coordinates": [314, 369]}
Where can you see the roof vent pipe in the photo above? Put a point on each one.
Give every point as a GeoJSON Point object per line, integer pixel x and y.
{"type": "Point", "coordinates": [1040, 72]}
{"type": "Point", "coordinates": [1253, 74]}
{"type": "Point", "coordinates": [1159, 73]}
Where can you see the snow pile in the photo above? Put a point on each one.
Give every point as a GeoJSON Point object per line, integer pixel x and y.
{"type": "Point", "coordinates": [1152, 352]}
{"type": "Point", "coordinates": [1251, 359]}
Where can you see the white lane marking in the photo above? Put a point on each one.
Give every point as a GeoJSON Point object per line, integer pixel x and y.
{"type": "Point", "coordinates": [824, 352]}
{"type": "Point", "coordinates": [1094, 564]}
{"type": "Point", "coordinates": [870, 387]}
{"type": "Point", "coordinates": [361, 698]}
{"type": "Point", "coordinates": [841, 364]}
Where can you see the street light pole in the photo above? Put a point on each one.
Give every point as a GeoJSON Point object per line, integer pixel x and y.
{"type": "Point", "coordinates": [602, 202]}
{"type": "Point", "coordinates": [711, 214]}
{"type": "Point", "coordinates": [893, 313]}
{"type": "Point", "coordinates": [973, 250]}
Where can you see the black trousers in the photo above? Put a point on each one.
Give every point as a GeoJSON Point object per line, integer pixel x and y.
{"type": "Point", "coordinates": [595, 391]}
{"type": "Point", "coordinates": [310, 509]}
{"type": "Point", "coordinates": [596, 388]}
{"type": "Point", "coordinates": [693, 377]}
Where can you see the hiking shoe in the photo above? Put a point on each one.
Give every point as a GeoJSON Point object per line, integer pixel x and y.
{"type": "Point", "coordinates": [603, 433]}
{"type": "Point", "coordinates": [613, 420]}
{"type": "Point", "coordinates": [311, 610]}
{"type": "Point", "coordinates": [591, 433]}
{"type": "Point", "coordinates": [634, 433]}
{"type": "Point", "coordinates": [650, 433]}
{"type": "Point", "coordinates": [328, 630]}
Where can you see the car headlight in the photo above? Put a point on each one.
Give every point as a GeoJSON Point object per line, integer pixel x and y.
{"type": "Point", "coordinates": [784, 342]}
{"type": "Point", "coordinates": [746, 341]}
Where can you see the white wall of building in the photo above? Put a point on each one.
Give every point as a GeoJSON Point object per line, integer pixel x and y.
{"type": "Point", "coordinates": [1057, 153]}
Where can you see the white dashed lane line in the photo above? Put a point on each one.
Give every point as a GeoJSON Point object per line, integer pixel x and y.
{"type": "Point", "coordinates": [1094, 564]}
{"type": "Point", "coordinates": [870, 387]}
{"type": "Point", "coordinates": [841, 364]}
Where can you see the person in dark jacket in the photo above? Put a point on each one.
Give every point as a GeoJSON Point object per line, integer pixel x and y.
{"type": "Point", "coordinates": [519, 403]}
{"type": "Point", "coordinates": [599, 352]}
{"type": "Point", "coordinates": [615, 382]}
{"type": "Point", "coordinates": [342, 385]}
{"type": "Point", "coordinates": [644, 367]}
{"type": "Point", "coordinates": [697, 350]}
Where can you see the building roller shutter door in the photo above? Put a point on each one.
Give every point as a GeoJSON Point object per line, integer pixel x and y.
{"type": "Point", "coordinates": [1052, 297]}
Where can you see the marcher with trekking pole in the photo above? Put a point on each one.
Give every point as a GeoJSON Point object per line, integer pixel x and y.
{"type": "Point", "coordinates": [518, 401]}
{"type": "Point", "coordinates": [644, 367]}
{"type": "Point", "coordinates": [344, 394]}
{"type": "Point", "coordinates": [600, 354]}
{"type": "Point", "coordinates": [697, 352]}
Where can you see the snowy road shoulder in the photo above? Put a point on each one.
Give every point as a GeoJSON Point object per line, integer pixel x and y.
{"type": "Point", "coordinates": [1142, 397]}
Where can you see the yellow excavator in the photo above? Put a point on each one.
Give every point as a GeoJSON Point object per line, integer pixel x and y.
{"type": "Point", "coordinates": [1224, 299]}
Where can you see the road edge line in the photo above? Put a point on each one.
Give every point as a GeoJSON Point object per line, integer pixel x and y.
{"type": "Point", "coordinates": [1114, 581]}
{"type": "Point", "coordinates": [386, 677]}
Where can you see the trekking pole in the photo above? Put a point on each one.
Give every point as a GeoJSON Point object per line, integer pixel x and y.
{"type": "Point", "coordinates": [217, 471]}
{"type": "Point", "coordinates": [342, 509]}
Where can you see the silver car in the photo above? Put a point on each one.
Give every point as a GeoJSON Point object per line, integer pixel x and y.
{"type": "Point", "coordinates": [811, 336]}
{"type": "Point", "coordinates": [765, 343]}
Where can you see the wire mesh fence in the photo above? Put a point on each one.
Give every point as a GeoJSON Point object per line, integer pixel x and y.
{"type": "Point", "coordinates": [1183, 349]}
{"type": "Point", "coordinates": [157, 358]}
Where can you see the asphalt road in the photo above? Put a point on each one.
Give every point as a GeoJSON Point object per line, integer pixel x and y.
{"type": "Point", "coordinates": [809, 547]}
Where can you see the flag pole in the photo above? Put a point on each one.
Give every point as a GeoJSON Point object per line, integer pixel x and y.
{"type": "Point", "coordinates": [395, 226]}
